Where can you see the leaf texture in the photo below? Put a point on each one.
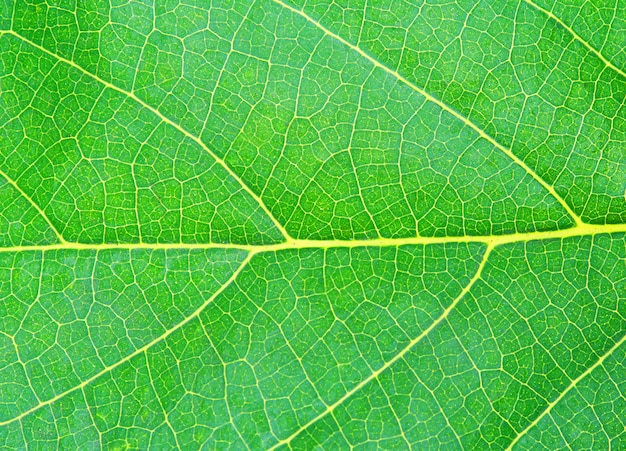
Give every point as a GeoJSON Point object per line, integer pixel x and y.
{"type": "Point", "coordinates": [312, 224]}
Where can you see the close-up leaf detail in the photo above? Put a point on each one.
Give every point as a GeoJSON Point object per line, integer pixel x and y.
{"type": "Point", "coordinates": [313, 224]}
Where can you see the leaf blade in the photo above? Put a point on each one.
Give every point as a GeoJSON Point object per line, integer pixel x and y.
{"type": "Point", "coordinates": [311, 224]}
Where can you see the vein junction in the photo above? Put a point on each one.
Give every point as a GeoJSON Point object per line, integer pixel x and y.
{"type": "Point", "coordinates": [494, 240]}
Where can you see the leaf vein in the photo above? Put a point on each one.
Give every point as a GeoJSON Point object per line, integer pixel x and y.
{"type": "Point", "coordinates": [168, 121]}
{"type": "Point", "coordinates": [141, 350]}
{"type": "Point", "coordinates": [577, 37]}
{"type": "Point", "coordinates": [508, 152]}
{"type": "Point", "coordinates": [398, 356]}
{"type": "Point", "coordinates": [569, 388]}
{"type": "Point", "coordinates": [494, 240]}
{"type": "Point", "coordinates": [30, 200]}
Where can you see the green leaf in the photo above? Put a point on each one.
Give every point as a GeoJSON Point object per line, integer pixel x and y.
{"type": "Point", "coordinates": [312, 224]}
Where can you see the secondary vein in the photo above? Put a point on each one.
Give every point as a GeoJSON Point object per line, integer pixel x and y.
{"type": "Point", "coordinates": [508, 152]}
{"type": "Point", "coordinates": [35, 206]}
{"type": "Point", "coordinates": [569, 388]}
{"type": "Point", "coordinates": [138, 351]}
{"type": "Point", "coordinates": [577, 37]}
{"type": "Point", "coordinates": [168, 121]}
{"type": "Point", "coordinates": [397, 357]}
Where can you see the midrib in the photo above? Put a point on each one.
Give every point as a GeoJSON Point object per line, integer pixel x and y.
{"type": "Point", "coordinates": [493, 240]}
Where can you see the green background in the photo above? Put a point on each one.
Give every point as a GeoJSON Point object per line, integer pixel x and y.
{"type": "Point", "coordinates": [353, 223]}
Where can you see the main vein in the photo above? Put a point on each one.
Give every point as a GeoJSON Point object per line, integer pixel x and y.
{"type": "Point", "coordinates": [508, 152]}
{"type": "Point", "coordinates": [490, 241]}
{"type": "Point", "coordinates": [585, 229]}
{"type": "Point", "coordinates": [397, 357]}
{"type": "Point", "coordinates": [168, 121]}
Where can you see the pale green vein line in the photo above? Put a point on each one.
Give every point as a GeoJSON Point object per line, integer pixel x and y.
{"type": "Point", "coordinates": [397, 357]}
{"type": "Point", "coordinates": [569, 388]}
{"type": "Point", "coordinates": [577, 37]}
{"type": "Point", "coordinates": [34, 204]}
{"type": "Point", "coordinates": [442, 105]}
{"type": "Point", "coordinates": [138, 351]}
{"type": "Point", "coordinates": [165, 119]}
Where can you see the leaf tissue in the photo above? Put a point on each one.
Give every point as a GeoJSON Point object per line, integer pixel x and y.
{"type": "Point", "coordinates": [313, 224]}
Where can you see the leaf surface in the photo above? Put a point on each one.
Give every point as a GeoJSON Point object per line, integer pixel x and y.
{"type": "Point", "coordinates": [311, 224]}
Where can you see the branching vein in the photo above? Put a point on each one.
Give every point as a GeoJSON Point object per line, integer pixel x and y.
{"type": "Point", "coordinates": [35, 206]}
{"type": "Point", "coordinates": [577, 37]}
{"type": "Point", "coordinates": [138, 351]}
{"type": "Point", "coordinates": [569, 388]}
{"type": "Point", "coordinates": [397, 357]}
{"type": "Point", "coordinates": [575, 217]}
{"type": "Point", "coordinates": [168, 121]}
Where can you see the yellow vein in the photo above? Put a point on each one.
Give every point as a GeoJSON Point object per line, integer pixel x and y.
{"type": "Point", "coordinates": [165, 119]}
{"type": "Point", "coordinates": [584, 230]}
{"type": "Point", "coordinates": [144, 348]}
{"type": "Point", "coordinates": [443, 106]}
{"type": "Point", "coordinates": [397, 357]}
{"type": "Point", "coordinates": [577, 37]}
{"type": "Point", "coordinates": [567, 390]}
{"type": "Point", "coordinates": [34, 204]}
